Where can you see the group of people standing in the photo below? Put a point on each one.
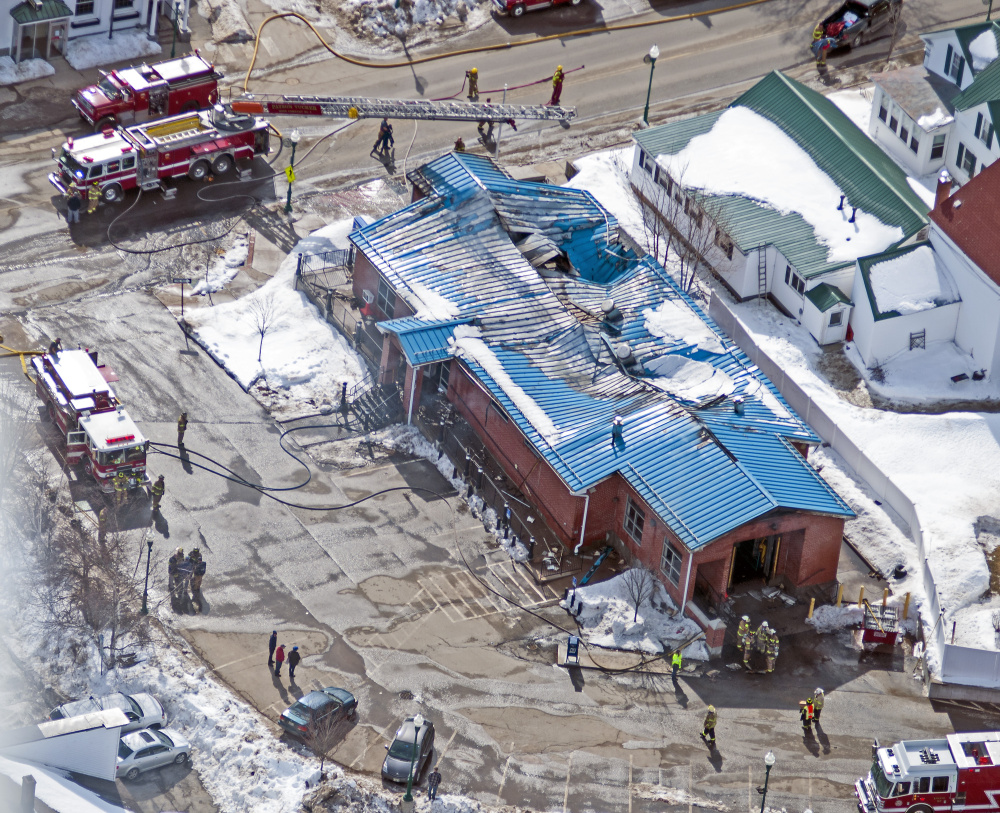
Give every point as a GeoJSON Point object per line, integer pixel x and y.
{"type": "Point", "coordinates": [276, 656]}
{"type": "Point", "coordinates": [763, 640]}
{"type": "Point", "coordinates": [185, 574]}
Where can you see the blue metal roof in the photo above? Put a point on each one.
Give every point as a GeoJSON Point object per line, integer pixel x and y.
{"type": "Point", "coordinates": [549, 355]}
{"type": "Point", "coordinates": [423, 342]}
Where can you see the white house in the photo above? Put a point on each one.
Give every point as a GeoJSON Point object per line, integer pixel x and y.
{"type": "Point", "coordinates": [946, 289]}
{"type": "Point", "coordinates": [790, 192]}
{"type": "Point", "coordinates": [941, 114]}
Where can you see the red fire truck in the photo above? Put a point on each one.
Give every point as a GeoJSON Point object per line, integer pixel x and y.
{"type": "Point", "coordinates": [148, 92]}
{"type": "Point", "coordinates": [143, 155]}
{"type": "Point", "coordinates": [95, 428]}
{"type": "Point", "coordinates": [959, 772]}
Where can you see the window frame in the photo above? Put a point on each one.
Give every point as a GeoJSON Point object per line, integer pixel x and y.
{"type": "Point", "coordinates": [84, 8]}
{"type": "Point", "coordinates": [634, 521]}
{"type": "Point", "coordinates": [385, 298]}
{"type": "Point", "coordinates": [671, 563]}
{"type": "Point", "coordinates": [937, 149]}
{"type": "Point", "coordinates": [839, 316]}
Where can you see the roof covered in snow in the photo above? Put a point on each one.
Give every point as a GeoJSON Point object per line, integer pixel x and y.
{"type": "Point", "coordinates": [593, 332]}
{"type": "Point", "coordinates": [795, 209]}
{"type": "Point", "coordinates": [971, 218]}
{"type": "Point", "coordinates": [906, 281]}
{"type": "Point", "coordinates": [975, 46]}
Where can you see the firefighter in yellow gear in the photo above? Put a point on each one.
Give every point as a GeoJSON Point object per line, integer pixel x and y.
{"type": "Point", "coordinates": [818, 704]}
{"type": "Point", "coordinates": [806, 714]}
{"type": "Point", "coordinates": [711, 718]}
{"type": "Point", "coordinates": [459, 145]}
{"type": "Point", "coordinates": [771, 653]}
{"type": "Point", "coordinates": [748, 642]}
{"type": "Point", "coordinates": [121, 487]}
{"type": "Point", "coordinates": [93, 197]}
{"type": "Point", "coordinates": [675, 663]}
{"type": "Point", "coordinates": [473, 76]}
{"type": "Point", "coordinates": [743, 630]}
{"type": "Point", "coordinates": [557, 83]}
{"type": "Point", "coordinates": [102, 526]}
{"type": "Point", "coordinates": [156, 493]}
{"type": "Point", "coordinates": [182, 425]}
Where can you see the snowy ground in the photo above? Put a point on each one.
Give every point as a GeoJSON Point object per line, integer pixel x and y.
{"type": "Point", "coordinates": [12, 73]}
{"type": "Point", "coordinates": [89, 52]}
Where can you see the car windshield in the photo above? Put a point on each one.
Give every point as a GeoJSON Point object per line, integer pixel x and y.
{"type": "Point", "coordinates": [108, 88]}
{"type": "Point", "coordinates": [136, 708]}
{"type": "Point", "coordinates": [135, 454]}
{"type": "Point", "coordinates": [300, 709]}
{"type": "Point", "coordinates": [401, 749]}
{"type": "Point", "coordinates": [123, 750]}
{"type": "Point", "coordinates": [883, 787]}
{"type": "Point", "coordinates": [71, 165]}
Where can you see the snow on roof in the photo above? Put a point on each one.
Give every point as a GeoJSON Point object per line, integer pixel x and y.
{"type": "Point", "coordinates": [745, 154]}
{"type": "Point", "coordinates": [911, 282]}
{"type": "Point", "coordinates": [673, 321]}
{"type": "Point", "coordinates": [57, 790]}
{"type": "Point", "coordinates": [688, 379]}
{"type": "Point", "coordinates": [183, 66]}
{"type": "Point", "coordinates": [467, 344]}
{"type": "Point", "coordinates": [938, 118]}
{"type": "Point", "coordinates": [983, 50]}
{"type": "Point", "coordinates": [434, 307]}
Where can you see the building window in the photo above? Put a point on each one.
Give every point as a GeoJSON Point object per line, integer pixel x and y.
{"type": "Point", "coordinates": [500, 412]}
{"type": "Point", "coordinates": [954, 65]}
{"type": "Point", "coordinates": [635, 519]}
{"type": "Point", "coordinates": [966, 160]}
{"type": "Point", "coordinates": [914, 143]}
{"type": "Point", "coordinates": [883, 108]}
{"type": "Point", "coordinates": [84, 8]}
{"type": "Point", "coordinates": [984, 130]}
{"type": "Point", "coordinates": [120, 4]}
{"type": "Point", "coordinates": [836, 318]}
{"type": "Point", "coordinates": [894, 120]}
{"type": "Point", "coordinates": [665, 181]}
{"type": "Point", "coordinates": [723, 241]}
{"type": "Point", "coordinates": [937, 147]}
{"type": "Point", "coordinates": [904, 131]}
{"type": "Point", "coordinates": [386, 299]}
{"type": "Point", "coordinates": [647, 161]}
{"type": "Point", "coordinates": [670, 563]}
{"type": "Point", "coordinates": [794, 281]}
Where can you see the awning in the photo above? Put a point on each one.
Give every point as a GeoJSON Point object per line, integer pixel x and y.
{"type": "Point", "coordinates": [38, 12]}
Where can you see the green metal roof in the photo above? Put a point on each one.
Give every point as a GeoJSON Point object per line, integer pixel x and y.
{"type": "Point", "coordinates": [669, 139]}
{"type": "Point", "coordinates": [871, 180]}
{"type": "Point", "coordinates": [824, 296]}
{"type": "Point", "coordinates": [28, 12]}
{"type": "Point", "coordinates": [866, 263]}
{"type": "Point", "coordinates": [984, 88]}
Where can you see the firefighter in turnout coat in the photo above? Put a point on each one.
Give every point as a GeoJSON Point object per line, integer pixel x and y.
{"type": "Point", "coordinates": [156, 493]}
{"type": "Point", "coordinates": [743, 630]}
{"type": "Point", "coordinates": [93, 197]}
{"type": "Point", "coordinates": [172, 571]}
{"type": "Point", "coordinates": [708, 734]}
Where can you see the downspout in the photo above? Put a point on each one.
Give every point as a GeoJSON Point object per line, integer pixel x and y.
{"type": "Point", "coordinates": [413, 391]}
{"type": "Point", "coordinates": [687, 581]}
{"type": "Point", "coordinates": [583, 528]}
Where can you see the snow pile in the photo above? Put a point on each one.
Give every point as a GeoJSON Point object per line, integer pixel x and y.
{"type": "Point", "coordinates": [688, 379]}
{"type": "Point", "coordinates": [923, 192]}
{"type": "Point", "coordinates": [607, 619]}
{"type": "Point", "coordinates": [676, 796]}
{"type": "Point", "coordinates": [390, 18]}
{"type": "Point", "coordinates": [605, 176]}
{"type": "Point", "coordinates": [12, 73]}
{"type": "Point", "coordinates": [983, 49]}
{"type": "Point", "coordinates": [89, 52]}
{"type": "Point", "coordinates": [939, 118]}
{"type": "Point", "coordinates": [467, 344]}
{"type": "Point", "coordinates": [302, 353]}
{"type": "Point", "coordinates": [746, 154]}
{"type": "Point", "coordinates": [229, 24]}
{"type": "Point", "coordinates": [828, 618]}
{"type": "Point", "coordinates": [433, 306]}
{"type": "Point", "coordinates": [911, 283]}
{"type": "Point", "coordinates": [853, 104]}
{"type": "Point", "coordinates": [675, 321]}
{"type": "Point", "coordinates": [225, 268]}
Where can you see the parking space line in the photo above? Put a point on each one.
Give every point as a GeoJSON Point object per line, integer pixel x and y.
{"type": "Point", "coordinates": [569, 767]}
{"type": "Point", "coordinates": [503, 776]}
{"type": "Point", "coordinates": [257, 654]}
{"type": "Point", "coordinates": [470, 584]}
{"type": "Point", "coordinates": [456, 594]}
{"type": "Point", "coordinates": [428, 583]}
{"type": "Point", "coordinates": [368, 747]}
{"type": "Point", "coordinates": [519, 572]}
{"type": "Point", "coordinates": [749, 790]}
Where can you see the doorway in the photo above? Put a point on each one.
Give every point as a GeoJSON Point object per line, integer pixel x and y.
{"type": "Point", "coordinates": [754, 560]}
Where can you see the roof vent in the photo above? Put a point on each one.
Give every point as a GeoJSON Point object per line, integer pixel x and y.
{"type": "Point", "coordinates": [738, 405]}
{"type": "Point", "coordinates": [607, 306]}
{"type": "Point", "coordinates": [624, 352]}
{"type": "Point", "coordinates": [957, 204]}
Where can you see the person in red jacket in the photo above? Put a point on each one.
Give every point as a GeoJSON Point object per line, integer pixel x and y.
{"type": "Point", "coordinates": [279, 658]}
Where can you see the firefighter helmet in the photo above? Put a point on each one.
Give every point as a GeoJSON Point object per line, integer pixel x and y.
{"type": "Point", "coordinates": [711, 709]}
{"type": "Point", "coordinates": [559, 68]}
{"type": "Point", "coordinates": [474, 71]}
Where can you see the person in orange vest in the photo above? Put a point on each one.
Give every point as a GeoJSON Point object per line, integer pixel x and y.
{"type": "Point", "coordinates": [557, 83]}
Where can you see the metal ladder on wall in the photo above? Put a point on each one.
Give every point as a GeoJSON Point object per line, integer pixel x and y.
{"type": "Point", "coordinates": [761, 271]}
{"type": "Point", "coordinates": [350, 107]}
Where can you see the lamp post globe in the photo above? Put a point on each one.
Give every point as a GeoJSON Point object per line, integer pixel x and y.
{"type": "Point", "coordinates": [294, 138]}
{"type": "Point", "coordinates": [651, 57]}
{"type": "Point", "coordinates": [418, 721]}
{"type": "Point", "coordinates": [769, 761]}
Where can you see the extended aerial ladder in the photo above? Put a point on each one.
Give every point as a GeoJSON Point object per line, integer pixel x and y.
{"type": "Point", "coordinates": [353, 107]}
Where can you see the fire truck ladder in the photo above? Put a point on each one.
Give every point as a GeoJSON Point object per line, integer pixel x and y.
{"type": "Point", "coordinates": [350, 107]}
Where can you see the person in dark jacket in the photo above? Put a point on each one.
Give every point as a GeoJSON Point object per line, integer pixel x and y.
{"type": "Point", "coordinates": [182, 424]}
{"type": "Point", "coordinates": [279, 658]}
{"type": "Point", "coordinates": [74, 203]}
{"type": "Point", "coordinates": [272, 642]}
{"type": "Point", "coordinates": [156, 493]}
{"type": "Point", "coordinates": [293, 660]}
{"type": "Point", "coordinates": [432, 783]}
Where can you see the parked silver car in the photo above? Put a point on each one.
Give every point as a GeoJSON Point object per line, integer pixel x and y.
{"type": "Point", "coordinates": [150, 748]}
{"type": "Point", "coordinates": [142, 710]}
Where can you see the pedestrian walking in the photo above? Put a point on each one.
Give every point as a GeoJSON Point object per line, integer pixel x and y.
{"type": "Point", "coordinates": [200, 568]}
{"type": "Point", "coordinates": [293, 660]}
{"type": "Point", "coordinates": [156, 493]}
{"type": "Point", "coordinates": [760, 637]}
{"type": "Point", "coordinates": [432, 783]}
{"type": "Point", "coordinates": [55, 347]}
{"type": "Point", "coordinates": [74, 203]}
{"type": "Point", "coordinates": [806, 714]}
{"type": "Point", "coordinates": [172, 571]}
{"type": "Point", "coordinates": [279, 658]}
{"type": "Point", "coordinates": [182, 425]}
{"type": "Point", "coordinates": [472, 75]}
{"type": "Point", "coordinates": [93, 197]}
{"type": "Point", "coordinates": [557, 83]}
{"type": "Point", "coordinates": [708, 732]}
{"type": "Point", "coordinates": [272, 642]}
{"type": "Point", "coordinates": [675, 664]}
{"type": "Point", "coordinates": [818, 698]}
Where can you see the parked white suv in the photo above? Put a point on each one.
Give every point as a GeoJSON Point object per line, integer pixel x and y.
{"type": "Point", "coordinates": [142, 710]}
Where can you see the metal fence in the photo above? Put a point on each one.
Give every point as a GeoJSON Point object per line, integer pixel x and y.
{"type": "Point", "coordinates": [956, 664]}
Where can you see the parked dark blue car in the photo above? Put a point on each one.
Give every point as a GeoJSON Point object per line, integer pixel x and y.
{"type": "Point", "coordinates": [315, 708]}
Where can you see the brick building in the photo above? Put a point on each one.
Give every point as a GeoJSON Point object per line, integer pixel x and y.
{"type": "Point", "coordinates": [606, 394]}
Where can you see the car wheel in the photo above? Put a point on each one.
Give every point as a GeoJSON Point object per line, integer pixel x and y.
{"type": "Point", "coordinates": [575, 2]}
{"type": "Point", "coordinates": [112, 193]}
{"type": "Point", "coordinates": [518, 10]}
{"type": "Point", "coordinates": [920, 809]}
{"type": "Point", "coordinates": [132, 775]}
{"type": "Point", "coordinates": [180, 759]}
{"type": "Point", "coordinates": [222, 165]}
{"type": "Point", "coordinates": [199, 171]}
{"type": "Point", "coordinates": [103, 124]}
{"type": "Point", "coordinates": [858, 39]}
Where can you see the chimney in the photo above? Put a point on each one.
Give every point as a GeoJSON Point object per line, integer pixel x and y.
{"type": "Point", "coordinates": [943, 191]}
{"type": "Point", "coordinates": [616, 429]}
{"type": "Point", "coordinates": [738, 405]}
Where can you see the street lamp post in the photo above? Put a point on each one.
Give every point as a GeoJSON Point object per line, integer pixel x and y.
{"type": "Point", "coordinates": [651, 58]}
{"type": "Point", "coordinates": [145, 587]}
{"type": "Point", "coordinates": [173, 42]}
{"type": "Point", "coordinates": [418, 721]}
{"type": "Point", "coordinates": [294, 138]}
{"type": "Point", "coordinates": [769, 761]}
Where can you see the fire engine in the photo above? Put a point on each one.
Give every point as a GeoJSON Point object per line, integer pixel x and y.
{"type": "Point", "coordinates": [959, 772]}
{"type": "Point", "coordinates": [143, 155]}
{"type": "Point", "coordinates": [95, 428]}
{"type": "Point", "coordinates": [149, 91]}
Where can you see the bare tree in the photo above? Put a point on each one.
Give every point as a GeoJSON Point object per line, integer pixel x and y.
{"type": "Point", "coordinates": [896, 29]}
{"type": "Point", "coordinates": [639, 583]}
{"type": "Point", "coordinates": [325, 733]}
{"type": "Point", "coordinates": [263, 312]}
